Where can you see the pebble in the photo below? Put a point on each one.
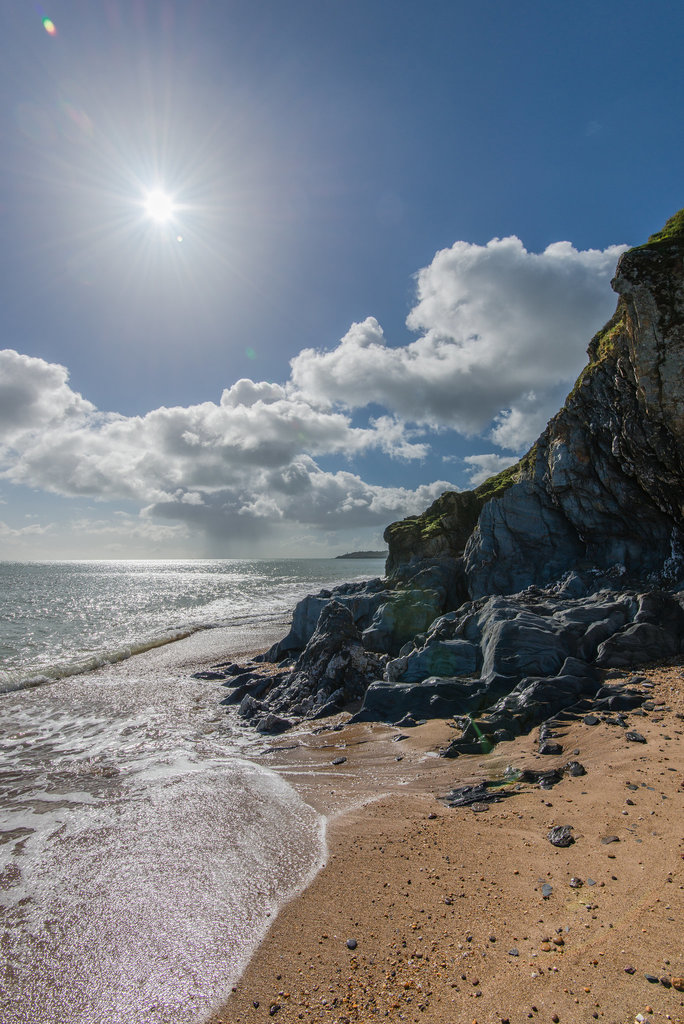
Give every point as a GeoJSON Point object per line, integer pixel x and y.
{"type": "Point", "coordinates": [561, 835]}
{"type": "Point", "coordinates": [340, 760]}
{"type": "Point", "coordinates": [635, 737]}
{"type": "Point", "coordinates": [352, 943]}
{"type": "Point", "coordinates": [652, 978]}
{"type": "Point", "coordinates": [610, 839]}
{"type": "Point", "coordinates": [576, 883]}
{"type": "Point", "coordinates": [590, 720]}
{"type": "Point", "coordinates": [546, 890]}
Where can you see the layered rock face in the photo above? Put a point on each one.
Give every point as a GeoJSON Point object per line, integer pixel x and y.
{"type": "Point", "coordinates": [505, 606]}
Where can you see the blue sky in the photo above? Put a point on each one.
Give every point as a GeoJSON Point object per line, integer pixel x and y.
{"type": "Point", "coordinates": [393, 231]}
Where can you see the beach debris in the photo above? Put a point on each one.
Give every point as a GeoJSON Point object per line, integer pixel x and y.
{"type": "Point", "coordinates": [561, 835]}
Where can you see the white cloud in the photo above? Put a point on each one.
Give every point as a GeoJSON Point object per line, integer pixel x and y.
{"type": "Point", "coordinates": [501, 330]}
{"type": "Point", "coordinates": [237, 467]}
{"type": "Point", "coordinates": [497, 323]}
{"type": "Point", "coordinates": [34, 530]}
{"type": "Point", "coordinates": [484, 466]}
{"type": "Point", "coordinates": [34, 395]}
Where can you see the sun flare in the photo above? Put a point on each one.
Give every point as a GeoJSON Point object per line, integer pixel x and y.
{"type": "Point", "coordinates": [159, 206]}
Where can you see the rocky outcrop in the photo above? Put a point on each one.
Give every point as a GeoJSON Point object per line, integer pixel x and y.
{"type": "Point", "coordinates": [507, 605]}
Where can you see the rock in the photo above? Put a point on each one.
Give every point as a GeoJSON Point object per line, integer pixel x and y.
{"type": "Point", "coordinates": [440, 658]}
{"type": "Point", "coordinates": [481, 793]}
{"type": "Point", "coordinates": [591, 720]}
{"type": "Point", "coordinates": [575, 769]}
{"type": "Point", "coordinates": [340, 760]}
{"type": "Point", "coordinates": [610, 839]}
{"type": "Point", "coordinates": [551, 748]}
{"type": "Point", "coordinates": [352, 943]}
{"type": "Point", "coordinates": [545, 779]}
{"type": "Point", "coordinates": [273, 724]}
{"type": "Point", "coordinates": [635, 737]}
{"type": "Point", "coordinates": [576, 883]}
{"type": "Point", "coordinates": [561, 835]}
{"type": "Point", "coordinates": [546, 891]}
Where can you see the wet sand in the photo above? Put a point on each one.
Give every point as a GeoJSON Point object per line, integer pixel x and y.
{"type": "Point", "coordinates": [444, 907]}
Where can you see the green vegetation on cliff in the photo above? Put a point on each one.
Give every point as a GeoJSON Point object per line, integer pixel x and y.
{"type": "Point", "coordinates": [674, 229]}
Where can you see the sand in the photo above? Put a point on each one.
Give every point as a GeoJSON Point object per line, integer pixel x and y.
{"type": "Point", "coordinates": [444, 906]}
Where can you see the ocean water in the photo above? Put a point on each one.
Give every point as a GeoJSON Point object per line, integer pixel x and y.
{"type": "Point", "coordinates": [142, 854]}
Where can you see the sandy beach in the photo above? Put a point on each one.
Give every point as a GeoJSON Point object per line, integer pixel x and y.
{"type": "Point", "coordinates": [456, 915]}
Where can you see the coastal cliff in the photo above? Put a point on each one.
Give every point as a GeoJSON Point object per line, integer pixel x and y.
{"type": "Point", "coordinates": [509, 604]}
{"type": "Point", "coordinates": [604, 484]}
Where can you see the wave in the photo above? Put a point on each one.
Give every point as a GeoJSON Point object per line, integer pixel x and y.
{"type": "Point", "coordinates": [12, 680]}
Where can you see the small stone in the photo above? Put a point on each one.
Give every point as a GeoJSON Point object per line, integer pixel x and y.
{"type": "Point", "coordinates": [340, 760]}
{"type": "Point", "coordinates": [555, 1018]}
{"type": "Point", "coordinates": [546, 890]}
{"type": "Point", "coordinates": [678, 983]}
{"type": "Point", "coordinates": [610, 839]}
{"type": "Point", "coordinates": [590, 720]}
{"type": "Point", "coordinates": [513, 952]}
{"type": "Point", "coordinates": [652, 978]}
{"type": "Point", "coordinates": [561, 835]}
{"type": "Point", "coordinates": [576, 883]}
{"type": "Point", "coordinates": [630, 970]}
{"type": "Point", "coordinates": [551, 748]}
{"type": "Point", "coordinates": [352, 943]}
{"type": "Point", "coordinates": [635, 737]}
{"type": "Point", "coordinates": [666, 983]}
{"type": "Point", "coordinates": [546, 947]}
{"type": "Point", "coordinates": [273, 1009]}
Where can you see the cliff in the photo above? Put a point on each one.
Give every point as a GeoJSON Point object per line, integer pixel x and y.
{"type": "Point", "coordinates": [604, 484]}
{"type": "Point", "coordinates": [506, 606]}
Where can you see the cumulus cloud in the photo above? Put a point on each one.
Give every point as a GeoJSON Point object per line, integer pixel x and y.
{"type": "Point", "coordinates": [500, 331]}
{"type": "Point", "coordinates": [34, 394]}
{"type": "Point", "coordinates": [237, 467]}
{"type": "Point", "coordinates": [497, 323]}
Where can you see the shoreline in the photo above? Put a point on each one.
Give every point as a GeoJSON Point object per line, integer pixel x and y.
{"type": "Point", "coordinates": [446, 906]}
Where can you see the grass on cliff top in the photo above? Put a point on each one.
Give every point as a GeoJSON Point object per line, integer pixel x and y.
{"type": "Point", "coordinates": [673, 229]}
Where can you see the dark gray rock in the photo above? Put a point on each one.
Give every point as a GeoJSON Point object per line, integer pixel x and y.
{"type": "Point", "coordinates": [635, 737]}
{"type": "Point", "coordinates": [273, 724]}
{"type": "Point", "coordinates": [561, 835]}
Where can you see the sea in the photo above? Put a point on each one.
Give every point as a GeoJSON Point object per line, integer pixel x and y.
{"type": "Point", "coordinates": [143, 853]}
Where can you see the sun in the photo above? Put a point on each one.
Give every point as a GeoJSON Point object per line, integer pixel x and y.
{"type": "Point", "coordinates": [159, 206]}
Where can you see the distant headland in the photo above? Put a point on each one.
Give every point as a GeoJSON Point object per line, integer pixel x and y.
{"type": "Point", "coordinates": [364, 554]}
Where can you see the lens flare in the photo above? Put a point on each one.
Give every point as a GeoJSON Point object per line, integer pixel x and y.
{"type": "Point", "coordinates": [49, 27]}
